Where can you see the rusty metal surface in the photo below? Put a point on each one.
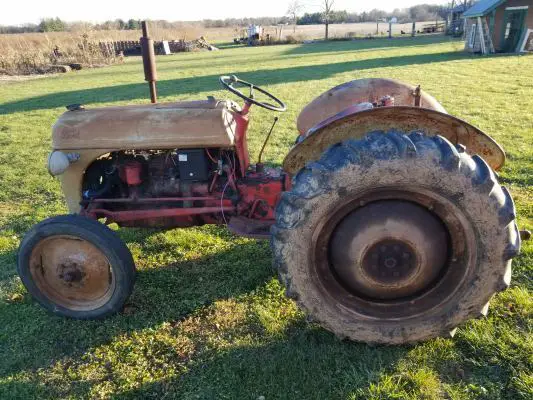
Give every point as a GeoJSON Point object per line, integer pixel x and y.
{"type": "Point", "coordinates": [458, 264]}
{"type": "Point", "coordinates": [398, 118]}
{"type": "Point", "coordinates": [389, 249]}
{"type": "Point", "coordinates": [148, 56]}
{"type": "Point", "coordinates": [72, 272]}
{"type": "Point", "coordinates": [134, 215]}
{"type": "Point", "coordinates": [90, 149]}
{"type": "Point", "coordinates": [361, 91]}
{"type": "Point", "coordinates": [418, 96]}
{"type": "Point", "coordinates": [171, 125]}
{"type": "Point", "coordinates": [144, 200]}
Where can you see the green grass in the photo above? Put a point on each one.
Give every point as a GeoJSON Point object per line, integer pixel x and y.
{"type": "Point", "coordinates": [208, 318]}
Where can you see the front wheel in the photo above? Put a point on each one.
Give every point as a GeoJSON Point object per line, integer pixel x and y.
{"type": "Point", "coordinates": [395, 238]}
{"type": "Point", "coordinates": [76, 267]}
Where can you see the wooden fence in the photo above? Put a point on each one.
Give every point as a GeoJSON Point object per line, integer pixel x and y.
{"type": "Point", "coordinates": [133, 47]}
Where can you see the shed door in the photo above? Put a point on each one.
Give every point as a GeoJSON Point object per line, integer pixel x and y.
{"type": "Point", "coordinates": [513, 25]}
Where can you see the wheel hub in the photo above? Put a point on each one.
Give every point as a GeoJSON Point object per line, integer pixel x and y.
{"type": "Point", "coordinates": [71, 272]}
{"type": "Point", "coordinates": [388, 249]}
{"type": "Point", "coordinates": [389, 261]}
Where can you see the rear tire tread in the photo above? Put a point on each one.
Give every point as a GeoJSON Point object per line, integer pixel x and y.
{"type": "Point", "coordinates": [376, 147]}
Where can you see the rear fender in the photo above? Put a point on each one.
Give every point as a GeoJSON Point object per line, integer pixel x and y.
{"type": "Point", "coordinates": [399, 118]}
{"type": "Point", "coordinates": [358, 91]}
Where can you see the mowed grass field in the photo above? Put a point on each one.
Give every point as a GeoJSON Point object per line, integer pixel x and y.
{"type": "Point", "coordinates": [208, 318]}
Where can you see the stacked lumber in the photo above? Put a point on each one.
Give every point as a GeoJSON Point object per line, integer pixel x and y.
{"type": "Point", "coordinates": [130, 47]}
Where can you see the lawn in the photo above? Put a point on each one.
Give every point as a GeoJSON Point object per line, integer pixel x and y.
{"type": "Point", "coordinates": [208, 318]}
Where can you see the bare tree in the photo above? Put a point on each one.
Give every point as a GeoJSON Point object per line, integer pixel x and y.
{"type": "Point", "coordinates": [467, 4]}
{"type": "Point", "coordinates": [293, 10]}
{"type": "Point", "coordinates": [327, 9]}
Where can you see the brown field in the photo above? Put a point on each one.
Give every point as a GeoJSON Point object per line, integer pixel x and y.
{"type": "Point", "coordinates": [31, 53]}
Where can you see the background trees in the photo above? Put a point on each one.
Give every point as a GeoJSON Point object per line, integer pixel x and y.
{"type": "Point", "coordinates": [293, 10]}
{"type": "Point", "coordinates": [327, 15]}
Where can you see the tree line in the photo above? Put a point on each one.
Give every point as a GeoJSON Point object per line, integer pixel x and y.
{"type": "Point", "coordinates": [417, 13]}
{"type": "Point", "coordinates": [58, 25]}
{"type": "Point", "coordinates": [422, 12]}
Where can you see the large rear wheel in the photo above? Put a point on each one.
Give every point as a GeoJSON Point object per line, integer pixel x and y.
{"type": "Point", "coordinates": [76, 267]}
{"type": "Point", "coordinates": [395, 238]}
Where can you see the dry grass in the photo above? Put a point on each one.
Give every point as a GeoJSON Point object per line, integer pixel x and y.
{"type": "Point", "coordinates": [32, 53]}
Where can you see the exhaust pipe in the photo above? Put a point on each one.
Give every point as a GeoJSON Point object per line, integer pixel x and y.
{"type": "Point", "coordinates": [148, 54]}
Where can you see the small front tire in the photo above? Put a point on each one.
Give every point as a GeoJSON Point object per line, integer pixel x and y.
{"type": "Point", "coordinates": [76, 267]}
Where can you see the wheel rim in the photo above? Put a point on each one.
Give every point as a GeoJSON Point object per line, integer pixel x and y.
{"type": "Point", "coordinates": [443, 253]}
{"type": "Point", "coordinates": [72, 272]}
{"type": "Point", "coordinates": [388, 249]}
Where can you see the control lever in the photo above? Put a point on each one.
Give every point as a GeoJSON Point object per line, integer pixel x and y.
{"type": "Point", "coordinates": [259, 167]}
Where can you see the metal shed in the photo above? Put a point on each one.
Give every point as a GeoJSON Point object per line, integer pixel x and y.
{"type": "Point", "coordinates": [503, 26]}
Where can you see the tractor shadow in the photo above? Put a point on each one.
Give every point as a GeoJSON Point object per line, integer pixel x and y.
{"type": "Point", "coordinates": [303, 364]}
{"type": "Point", "coordinates": [276, 367]}
{"type": "Point", "coordinates": [206, 83]}
{"type": "Point", "coordinates": [32, 338]}
{"type": "Point", "coordinates": [312, 364]}
{"type": "Point", "coordinates": [300, 362]}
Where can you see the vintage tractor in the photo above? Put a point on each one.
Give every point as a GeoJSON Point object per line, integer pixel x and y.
{"type": "Point", "coordinates": [387, 221]}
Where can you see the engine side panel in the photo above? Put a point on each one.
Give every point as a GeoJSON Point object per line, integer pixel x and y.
{"type": "Point", "coordinates": [408, 119]}
{"type": "Point", "coordinates": [71, 180]}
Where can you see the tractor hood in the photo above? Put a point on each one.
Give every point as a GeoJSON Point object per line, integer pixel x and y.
{"type": "Point", "coordinates": [190, 124]}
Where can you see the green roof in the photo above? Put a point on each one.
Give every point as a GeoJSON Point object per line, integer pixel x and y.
{"type": "Point", "coordinates": [482, 8]}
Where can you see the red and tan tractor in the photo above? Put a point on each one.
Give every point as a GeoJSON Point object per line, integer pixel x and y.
{"type": "Point", "coordinates": [386, 220]}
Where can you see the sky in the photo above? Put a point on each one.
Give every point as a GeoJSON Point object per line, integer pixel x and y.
{"type": "Point", "coordinates": [31, 11]}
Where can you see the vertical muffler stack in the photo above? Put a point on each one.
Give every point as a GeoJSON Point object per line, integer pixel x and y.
{"type": "Point", "coordinates": [148, 54]}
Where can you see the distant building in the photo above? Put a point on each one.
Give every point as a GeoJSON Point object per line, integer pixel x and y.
{"type": "Point", "coordinates": [456, 21]}
{"type": "Point", "coordinates": [503, 26]}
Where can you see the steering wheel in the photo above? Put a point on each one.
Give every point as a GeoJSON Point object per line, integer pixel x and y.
{"type": "Point", "coordinates": [229, 81]}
